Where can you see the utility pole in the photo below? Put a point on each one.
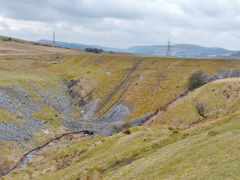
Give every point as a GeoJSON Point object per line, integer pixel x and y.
{"type": "Point", "coordinates": [53, 38]}
{"type": "Point", "coordinates": [169, 48]}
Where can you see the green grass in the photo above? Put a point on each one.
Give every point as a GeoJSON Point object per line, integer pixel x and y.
{"type": "Point", "coordinates": [148, 152]}
{"type": "Point", "coordinates": [220, 98]}
{"type": "Point", "coordinates": [33, 83]}
{"type": "Point", "coordinates": [155, 82]}
{"type": "Point", "coordinates": [14, 78]}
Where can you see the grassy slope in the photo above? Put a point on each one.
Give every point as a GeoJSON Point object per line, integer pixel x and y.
{"type": "Point", "coordinates": [155, 82]}
{"type": "Point", "coordinates": [29, 73]}
{"type": "Point", "coordinates": [148, 151]}
{"type": "Point", "coordinates": [219, 98]}
{"type": "Point", "coordinates": [12, 46]}
{"type": "Point", "coordinates": [209, 151]}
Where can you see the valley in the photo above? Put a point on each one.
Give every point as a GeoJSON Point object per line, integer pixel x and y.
{"type": "Point", "coordinates": [143, 123]}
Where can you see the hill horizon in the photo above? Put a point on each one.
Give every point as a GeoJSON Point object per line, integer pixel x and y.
{"type": "Point", "coordinates": [177, 50]}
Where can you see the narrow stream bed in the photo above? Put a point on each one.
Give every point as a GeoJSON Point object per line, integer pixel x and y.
{"type": "Point", "coordinates": [28, 156]}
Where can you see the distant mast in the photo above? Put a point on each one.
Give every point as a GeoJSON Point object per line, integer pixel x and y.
{"type": "Point", "coordinates": [53, 38]}
{"type": "Point", "coordinates": [169, 48]}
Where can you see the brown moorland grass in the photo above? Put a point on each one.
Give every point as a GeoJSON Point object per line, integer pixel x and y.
{"type": "Point", "coordinates": [144, 83]}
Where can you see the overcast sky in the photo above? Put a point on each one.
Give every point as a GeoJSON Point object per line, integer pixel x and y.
{"type": "Point", "coordinates": [124, 23]}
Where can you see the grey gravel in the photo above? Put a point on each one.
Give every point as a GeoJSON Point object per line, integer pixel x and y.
{"type": "Point", "coordinates": [17, 100]}
{"type": "Point", "coordinates": [89, 109]}
{"type": "Point", "coordinates": [222, 74]}
{"type": "Point", "coordinates": [117, 113]}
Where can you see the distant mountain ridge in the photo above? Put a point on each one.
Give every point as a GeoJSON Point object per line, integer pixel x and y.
{"type": "Point", "coordinates": [177, 50]}
{"type": "Point", "coordinates": [79, 46]}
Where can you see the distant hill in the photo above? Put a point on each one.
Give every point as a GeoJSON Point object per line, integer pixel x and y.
{"type": "Point", "coordinates": [177, 50]}
{"type": "Point", "coordinates": [80, 46]}
{"type": "Point", "coordinates": [13, 46]}
{"type": "Point", "coordinates": [227, 55]}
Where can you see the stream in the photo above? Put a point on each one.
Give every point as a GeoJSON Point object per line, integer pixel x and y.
{"type": "Point", "coordinates": [28, 156]}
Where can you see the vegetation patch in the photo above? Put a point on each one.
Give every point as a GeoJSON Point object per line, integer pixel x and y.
{"type": "Point", "coordinates": [188, 133]}
{"type": "Point", "coordinates": [197, 79]}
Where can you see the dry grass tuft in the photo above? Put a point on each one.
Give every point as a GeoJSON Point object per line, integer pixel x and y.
{"type": "Point", "coordinates": [127, 131]}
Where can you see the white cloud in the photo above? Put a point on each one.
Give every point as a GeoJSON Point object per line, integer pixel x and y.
{"type": "Point", "coordinates": [126, 22]}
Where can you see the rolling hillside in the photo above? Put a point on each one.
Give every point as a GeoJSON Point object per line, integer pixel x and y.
{"type": "Point", "coordinates": [177, 50]}
{"type": "Point", "coordinates": [74, 115]}
{"type": "Point", "coordinates": [13, 46]}
{"type": "Point", "coordinates": [227, 55]}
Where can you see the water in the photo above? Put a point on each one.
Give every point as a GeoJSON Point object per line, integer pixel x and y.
{"type": "Point", "coordinates": [27, 157]}
{"type": "Point", "coordinates": [31, 154]}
